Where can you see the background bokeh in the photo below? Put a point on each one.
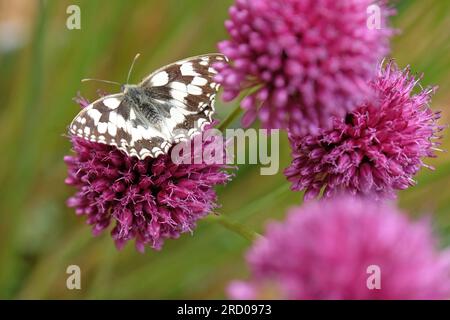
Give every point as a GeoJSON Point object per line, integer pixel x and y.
{"type": "Point", "coordinates": [41, 64]}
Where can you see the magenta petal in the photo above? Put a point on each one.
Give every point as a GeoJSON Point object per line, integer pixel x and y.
{"type": "Point", "coordinates": [374, 150]}
{"type": "Point", "coordinates": [329, 249]}
{"type": "Point", "coordinates": [147, 200]}
{"type": "Point", "coordinates": [248, 118]}
{"type": "Point", "coordinates": [312, 59]}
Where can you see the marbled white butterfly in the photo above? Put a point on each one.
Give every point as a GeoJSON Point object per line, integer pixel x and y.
{"type": "Point", "coordinates": [145, 120]}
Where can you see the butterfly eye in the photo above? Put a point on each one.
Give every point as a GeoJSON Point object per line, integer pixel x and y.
{"type": "Point", "coordinates": [122, 87]}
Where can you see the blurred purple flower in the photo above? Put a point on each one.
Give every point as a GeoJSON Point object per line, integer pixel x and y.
{"type": "Point", "coordinates": [374, 150]}
{"type": "Point", "coordinates": [305, 60]}
{"type": "Point", "coordinates": [323, 251]}
{"type": "Point", "coordinates": [148, 200]}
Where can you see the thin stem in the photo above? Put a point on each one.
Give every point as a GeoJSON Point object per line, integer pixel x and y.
{"type": "Point", "coordinates": [235, 227]}
{"type": "Point", "coordinates": [276, 195]}
{"type": "Point", "coordinates": [102, 278]}
{"type": "Point", "coordinates": [230, 118]}
{"type": "Point", "coordinates": [251, 89]}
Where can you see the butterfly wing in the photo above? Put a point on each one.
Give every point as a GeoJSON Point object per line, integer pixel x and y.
{"type": "Point", "coordinates": [189, 88]}
{"type": "Point", "coordinates": [112, 120]}
{"type": "Point", "coordinates": [179, 102]}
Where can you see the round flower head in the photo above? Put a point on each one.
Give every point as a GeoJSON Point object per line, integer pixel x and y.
{"type": "Point", "coordinates": [148, 200]}
{"type": "Point", "coordinates": [374, 150]}
{"type": "Point", "coordinates": [304, 60]}
{"type": "Point", "coordinates": [346, 248]}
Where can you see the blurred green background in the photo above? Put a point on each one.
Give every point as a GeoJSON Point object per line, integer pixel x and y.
{"type": "Point", "coordinates": [41, 64]}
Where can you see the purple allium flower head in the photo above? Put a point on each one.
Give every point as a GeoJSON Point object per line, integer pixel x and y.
{"type": "Point", "coordinates": [374, 150]}
{"type": "Point", "coordinates": [305, 60]}
{"type": "Point", "coordinates": [332, 249]}
{"type": "Point", "coordinates": [148, 200]}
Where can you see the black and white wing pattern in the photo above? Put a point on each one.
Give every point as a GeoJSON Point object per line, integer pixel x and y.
{"type": "Point", "coordinates": [170, 105]}
{"type": "Point", "coordinates": [188, 86]}
{"type": "Point", "coordinates": [114, 121]}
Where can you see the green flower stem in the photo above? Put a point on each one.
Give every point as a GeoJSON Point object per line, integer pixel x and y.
{"type": "Point", "coordinates": [102, 278]}
{"type": "Point", "coordinates": [235, 227]}
{"type": "Point", "coordinates": [231, 117]}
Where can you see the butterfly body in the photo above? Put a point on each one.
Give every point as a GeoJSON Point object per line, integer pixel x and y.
{"type": "Point", "coordinates": [142, 99]}
{"type": "Point", "coordinates": [170, 105]}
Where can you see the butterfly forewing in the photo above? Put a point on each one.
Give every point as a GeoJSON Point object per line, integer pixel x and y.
{"type": "Point", "coordinates": [187, 83]}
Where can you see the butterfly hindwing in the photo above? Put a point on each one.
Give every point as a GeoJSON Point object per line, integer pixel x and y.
{"type": "Point", "coordinates": [112, 120]}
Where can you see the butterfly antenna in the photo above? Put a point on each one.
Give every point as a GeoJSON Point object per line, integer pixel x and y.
{"type": "Point", "coordinates": [100, 80]}
{"type": "Point", "coordinates": [131, 67]}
